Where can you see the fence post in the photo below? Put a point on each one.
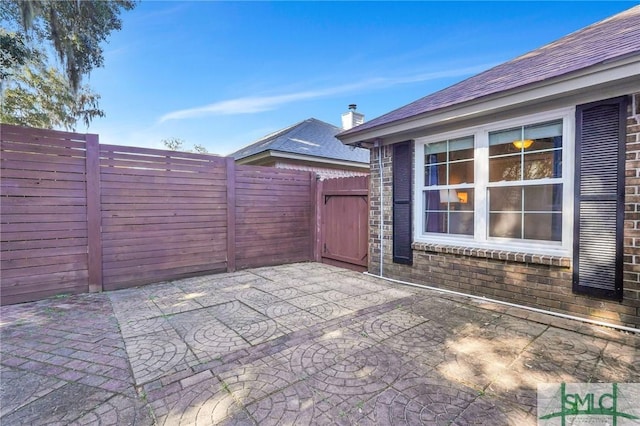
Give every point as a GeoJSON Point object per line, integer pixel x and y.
{"type": "Point", "coordinates": [94, 220]}
{"type": "Point", "coordinates": [317, 226]}
{"type": "Point", "coordinates": [231, 214]}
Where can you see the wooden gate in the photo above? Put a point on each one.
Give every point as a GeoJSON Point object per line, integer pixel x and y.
{"type": "Point", "coordinates": [344, 225]}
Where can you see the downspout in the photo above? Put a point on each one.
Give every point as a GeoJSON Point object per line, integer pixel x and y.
{"type": "Point", "coordinates": [378, 143]}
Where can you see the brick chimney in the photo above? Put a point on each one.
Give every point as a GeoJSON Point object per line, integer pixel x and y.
{"type": "Point", "coordinates": [351, 118]}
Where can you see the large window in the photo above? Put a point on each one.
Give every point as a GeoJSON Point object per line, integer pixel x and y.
{"type": "Point", "coordinates": [499, 186]}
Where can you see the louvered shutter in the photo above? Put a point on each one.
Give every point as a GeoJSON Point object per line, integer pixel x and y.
{"type": "Point", "coordinates": [599, 198]}
{"type": "Point", "coordinates": [402, 203]}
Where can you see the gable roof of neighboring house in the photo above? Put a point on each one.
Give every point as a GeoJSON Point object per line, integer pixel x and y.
{"type": "Point", "coordinates": [611, 39]}
{"type": "Point", "coordinates": [308, 138]}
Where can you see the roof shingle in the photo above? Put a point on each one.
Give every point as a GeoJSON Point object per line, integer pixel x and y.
{"type": "Point", "coordinates": [309, 137]}
{"type": "Point", "coordinates": [614, 37]}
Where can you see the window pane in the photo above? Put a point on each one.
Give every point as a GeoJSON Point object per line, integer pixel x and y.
{"type": "Point", "coordinates": [449, 211]}
{"type": "Point", "coordinates": [505, 225]}
{"type": "Point", "coordinates": [505, 137]}
{"type": "Point", "coordinates": [461, 149]}
{"type": "Point", "coordinates": [503, 149]}
{"type": "Point", "coordinates": [436, 148]}
{"type": "Point", "coordinates": [461, 223]}
{"type": "Point", "coordinates": [504, 168]}
{"type": "Point", "coordinates": [543, 226]}
{"type": "Point", "coordinates": [435, 222]}
{"type": "Point", "coordinates": [505, 199]}
{"type": "Point", "coordinates": [545, 198]}
{"type": "Point", "coordinates": [465, 200]}
{"type": "Point", "coordinates": [434, 201]}
{"type": "Point", "coordinates": [435, 158]}
{"type": "Point", "coordinates": [540, 165]}
{"type": "Point", "coordinates": [543, 130]}
{"type": "Point", "coordinates": [435, 175]}
{"type": "Point", "coordinates": [545, 144]}
{"type": "Point", "coordinates": [461, 172]}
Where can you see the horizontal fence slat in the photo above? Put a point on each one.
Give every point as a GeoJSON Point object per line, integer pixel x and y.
{"type": "Point", "coordinates": [42, 136]}
{"type": "Point", "coordinates": [34, 252]}
{"type": "Point", "coordinates": [116, 207]}
{"type": "Point", "coordinates": [195, 176]}
{"type": "Point", "coordinates": [196, 257]}
{"type": "Point", "coordinates": [160, 198]}
{"type": "Point", "coordinates": [213, 214]}
{"type": "Point", "coordinates": [214, 186]}
{"type": "Point", "coordinates": [44, 279]}
{"type": "Point", "coordinates": [40, 218]}
{"type": "Point", "coordinates": [42, 235]}
{"type": "Point", "coordinates": [127, 281]}
{"type": "Point", "coordinates": [106, 149]}
{"type": "Point", "coordinates": [43, 149]}
{"type": "Point", "coordinates": [15, 249]}
{"type": "Point", "coordinates": [142, 193]}
{"type": "Point", "coordinates": [28, 209]}
{"type": "Point", "coordinates": [43, 175]}
{"type": "Point", "coordinates": [42, 226]}
{"type": "Point", "coordinates": [33, 292]}
{"type": "Point", "coordinates": [203, 259]}
{"type": "Point", "coordinates": [10, 264]}
{"type": "Point", "coordinates": [204, 227]}
{"type": "Point", "coordinates": [213, 180]}
{"type": "Point", "coordinates": [129, 245]}
{"type": "Point", "coordinates": [10, 156]}
{"type": "Point", "coordinates": [141, 164]}
{"type": "Point", "coordinates": [160, 220]}
{"type": "Point", "coordinates": [41, 183]}
{"type": "Point", "coordinates": [41, 192]}
{"type": "Point", "coordinates": [143, 251]}
{"type": "Point", "coordinates": [35, 166]}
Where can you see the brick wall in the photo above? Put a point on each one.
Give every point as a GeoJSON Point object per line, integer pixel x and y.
{"type": "Point", "coordinates": [538, 281]}
{"type": "Point", "coordinates": [632, 209]}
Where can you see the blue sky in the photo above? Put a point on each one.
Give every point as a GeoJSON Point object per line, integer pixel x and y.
{"type": "Point", "coordinates": [224, 74]}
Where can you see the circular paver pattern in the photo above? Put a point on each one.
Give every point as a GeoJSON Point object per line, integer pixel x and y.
{"type": "Point", "coordinates": [361, 374]}
{"type": "Point", "coordinates": [426, 343]}
{"type": "Point", "coordinates": [260, 331]}
{"type": "Point", "coordinates": [279, 309]}
{"type": "Point", "coordinates": [291, 406]}
{"type": "Point", "coordinates": [205, 404]}
{"type": "Point", "coordinates": [254, 382]}
{"type": "Point", "coordinates": [318, 355]}
{"type": "Point", "coordinates": [329, 311]}
{"type": "Point", "coordinates": [153, 356]}
{"type": "Point", "coordinates": [139, 327]}
{"type": "Point", "coordinates": [211, 338]}
{"type": "Point", "coordinates": [416, 403]}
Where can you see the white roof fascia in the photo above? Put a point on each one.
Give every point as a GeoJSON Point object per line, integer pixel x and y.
{"type": "Point", "coordinates": [301, 157]}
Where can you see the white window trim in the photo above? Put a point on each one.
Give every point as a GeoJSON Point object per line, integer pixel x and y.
{"type": "Point", "coordinates": [481, 140]}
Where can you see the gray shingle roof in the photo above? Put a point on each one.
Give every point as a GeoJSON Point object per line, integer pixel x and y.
{"type": "Point", "coordinates": [614, 37]}
{"type": "Point", "coordinates": [309, 137]}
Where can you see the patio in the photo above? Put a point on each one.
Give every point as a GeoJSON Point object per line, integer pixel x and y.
{"type": "Point", "coordinates": [305, 343]}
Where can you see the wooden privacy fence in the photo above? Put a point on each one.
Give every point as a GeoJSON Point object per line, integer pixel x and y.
{"type": "Point", "coordinates": [78, 216]}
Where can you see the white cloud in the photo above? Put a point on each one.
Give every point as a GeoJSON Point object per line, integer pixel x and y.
{"type": "Point", "coordinates": [254, 104]}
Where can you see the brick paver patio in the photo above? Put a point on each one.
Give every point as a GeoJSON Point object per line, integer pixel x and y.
{"type": "Point", "coordinates": [295, 344]}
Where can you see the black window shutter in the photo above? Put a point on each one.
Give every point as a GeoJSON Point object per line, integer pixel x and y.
{"type": "Point", "coordinates": [599, 198]}
{"type": "Point", "coordinates": [402, 203]}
